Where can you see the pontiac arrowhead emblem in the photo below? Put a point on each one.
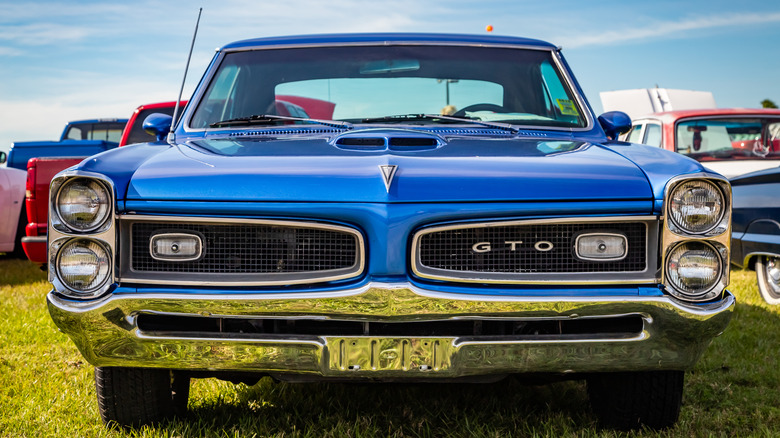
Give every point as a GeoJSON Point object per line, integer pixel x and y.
{"type": "Point", "coordinates": [388, 172]}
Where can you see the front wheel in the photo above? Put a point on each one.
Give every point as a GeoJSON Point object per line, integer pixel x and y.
{"type": "Point", "coordinates": [768, 275]}
{"type": "Point", "coordinates": [634, 399]}
{"type": "Point", "coordinates": [131, 397]}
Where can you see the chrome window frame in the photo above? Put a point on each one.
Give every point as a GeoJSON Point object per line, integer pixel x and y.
{"type": "Point", "coordinates": [127, 275]}
{"type": "Point", "coordinates": [648, 276]}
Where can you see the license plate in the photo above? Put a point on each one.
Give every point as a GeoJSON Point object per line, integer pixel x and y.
{"type": "Point", "coordinates": [389, 354]}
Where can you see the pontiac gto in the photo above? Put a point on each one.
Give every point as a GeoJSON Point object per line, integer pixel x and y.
{"type": "Point", "coordinates": [461, 215]}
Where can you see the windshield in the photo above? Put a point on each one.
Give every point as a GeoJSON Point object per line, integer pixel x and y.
{"type": "Point", "coordinates": [729, 138]}
{"type": "Point", "coordinates": [357, 83]}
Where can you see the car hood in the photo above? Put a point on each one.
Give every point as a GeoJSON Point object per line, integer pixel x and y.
{"type": "Point", "coordinates": [322, 170]}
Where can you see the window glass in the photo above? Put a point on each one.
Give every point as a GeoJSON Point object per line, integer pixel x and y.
{"type": "Point", "coordinates": [635, 135]}
{"type": "Point", "coordinates": [354, 83]}
{"type": "Point", "coordinates": [652, 135]}
{"type": "Point", "coordinates": [728, 138]}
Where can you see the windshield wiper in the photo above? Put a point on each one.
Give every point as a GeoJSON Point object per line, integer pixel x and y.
{"type": "Point", "coordinates": [420, 117]}
{"type": "Point", "coordinates": [270, 119]}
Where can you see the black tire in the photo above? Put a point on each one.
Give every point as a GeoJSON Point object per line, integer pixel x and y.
{"type": "Point", "coordinates": [634, 399]}
{"type": "Point", "coordinates": [768, 276]}
{"type": "Point", "coordinates": [132, 397]}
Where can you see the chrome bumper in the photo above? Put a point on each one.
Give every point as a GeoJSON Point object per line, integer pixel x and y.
{"type": "Point", "coordinates": [673, 336]}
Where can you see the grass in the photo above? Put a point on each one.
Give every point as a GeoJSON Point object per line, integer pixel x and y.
{"type": "Point", "coordinates": [46, 389]}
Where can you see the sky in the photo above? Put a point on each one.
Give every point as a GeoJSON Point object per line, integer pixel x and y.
{"type": "Point", "coordinates": [64, 60]}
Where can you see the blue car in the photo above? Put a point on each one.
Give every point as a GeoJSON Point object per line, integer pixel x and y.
{"type": "Point", "coordinates": [756, 234]}
{"type": "Point", "coordinates": [436, 208]}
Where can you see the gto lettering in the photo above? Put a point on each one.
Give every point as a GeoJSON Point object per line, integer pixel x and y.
{"type": "Point", "coordinates": [481, 247]}
{"type": "Point", "coordinates": [542, 246]}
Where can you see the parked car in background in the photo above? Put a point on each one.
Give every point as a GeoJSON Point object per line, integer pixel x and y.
{"type": "Point", "coordinates": [134, 130]}
{"type": "Point", "coordinates": [41, 170]}
{"type": "Point", "coordinates": [79, 139]}
{"type": "Point", "coordinates": [728, 141]}
{"type": "Point", "coordinates": [756, 229]}
{"type": "Point", "coordinates": [390, 241]}
{"type": "Point", "coordinates": [11, 208]}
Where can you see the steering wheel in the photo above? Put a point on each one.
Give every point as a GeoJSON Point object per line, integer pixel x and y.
{"type": "Point", "coordinates": [479, 107]}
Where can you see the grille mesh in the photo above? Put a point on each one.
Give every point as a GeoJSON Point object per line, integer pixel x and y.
{"type": "Point", "coordinates": [452, 249]}
{"type": "Point", "coordinates": [250, 248]}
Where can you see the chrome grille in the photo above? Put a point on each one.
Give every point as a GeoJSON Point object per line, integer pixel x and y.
{"type": "Point", "coordinates": [449, 252]}
{"type": "Point", "coordinates": [245, 252]}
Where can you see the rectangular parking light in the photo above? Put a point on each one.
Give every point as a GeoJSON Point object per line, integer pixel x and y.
{"type": "Point", "coordinates": [601, 247]}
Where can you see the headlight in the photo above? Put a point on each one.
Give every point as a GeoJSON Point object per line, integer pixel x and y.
{"type": "Point", "coordinates": [83, 265]}
{"type": "Point", "coordinates": [83, 204]}
{"type": "Point", "coordinates": [693, 269]}
{"type": "Point", "coordinates": [696, 206]}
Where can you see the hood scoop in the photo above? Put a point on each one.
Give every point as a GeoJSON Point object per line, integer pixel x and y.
{"type": "Point", "coordinates": [394, 140]}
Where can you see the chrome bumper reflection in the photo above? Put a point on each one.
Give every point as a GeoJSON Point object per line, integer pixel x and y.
{"type": "Point", "coordinates": [673, 336]}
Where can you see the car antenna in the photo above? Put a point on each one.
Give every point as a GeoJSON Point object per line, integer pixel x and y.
{"type": "Point", "coordinates": [171, 135]}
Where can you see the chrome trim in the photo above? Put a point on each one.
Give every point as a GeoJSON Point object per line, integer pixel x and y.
{"type": "Point", "coordinates": [757, 254]}
{"type": "Point", "coordinates": [594, 259]}
{"type": "Point", "coordinates": [563, 278]}
{"type": "Point", "coordinates": [719, 236]}
{"type": "Point", "coordinates": [34, 239]}
{"type": "Point", "coordinates": [107, 234]}
{"type": "Point", "coordinates": [673, 185]}
{"type": "Point", "coordinates": [175, 235]}
{"type": "Point", "coordinates": [125, 274]}
{"type": "Point", "coordinates": [88, 293]}
{"type": "Point", "coordinates": [705, 293]}
{"type": "Point", "coordinates": [556, 56]}
{"type": "Point", "coordinates": [673, 337]}
{"type": "Point", "coordinates": [56, 185]}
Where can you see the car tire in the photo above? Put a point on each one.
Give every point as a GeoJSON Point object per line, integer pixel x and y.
{"type": "Point", "coordinates": [634, 399]}
{"type": "Point", "coordinates": [768, 276]}
{"type": "Point", "coordinates": [132, 397]}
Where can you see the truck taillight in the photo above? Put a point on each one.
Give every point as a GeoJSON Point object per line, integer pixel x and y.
{"type": "Point", "coordinates": [30, 185]}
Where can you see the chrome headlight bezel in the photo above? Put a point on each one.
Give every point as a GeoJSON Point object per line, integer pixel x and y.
{"type": "Point", "coordinates": [709, 292]}
{"type": "Point", "coordinates": [719, 226]}
{"type": "Point", "coordinates": [100, 286]}
{"type": "Point", "coordinates": [718, 236]}
{"type": "Point", "coordinates": [64, 180]}
{"type": "Point", "coordinates": [60, 234]}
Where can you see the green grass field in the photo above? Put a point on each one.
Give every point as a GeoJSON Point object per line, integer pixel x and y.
{"type": "Point", "coordinates": [46, 389]}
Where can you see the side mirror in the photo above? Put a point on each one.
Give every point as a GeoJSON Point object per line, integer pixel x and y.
{"type": "Point", "coordinates": [158, 125]}
{"type": "Point", "coordinates": [615, 123]}
{"type": "Point", "coordinates": [3, 157]}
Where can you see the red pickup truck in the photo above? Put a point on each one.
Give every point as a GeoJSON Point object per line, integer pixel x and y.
{"type": "Point", "coordinates": [41, 170]}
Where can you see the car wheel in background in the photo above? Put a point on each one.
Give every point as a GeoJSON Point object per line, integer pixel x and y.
{"type": "Point", "coordinates": [633, 399]}
{"type": "Point", "coordinates": [768, 275]}
{"type": "Point", "coordinates": [131, 397]}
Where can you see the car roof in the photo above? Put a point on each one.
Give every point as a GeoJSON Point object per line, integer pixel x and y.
{"type": "Point", "coordinates": [672, 116]}
{"type": "Point", "coordinates": [362, 38]}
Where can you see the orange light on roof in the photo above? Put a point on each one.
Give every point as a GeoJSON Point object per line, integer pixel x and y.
{"type": "Point", "coordinates": [489, 28]}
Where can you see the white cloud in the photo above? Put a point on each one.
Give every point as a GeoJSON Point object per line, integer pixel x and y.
{"type": "Point", "coordinates": [39, 34]}
{"type": "Point", "coordinates": [667, 29]}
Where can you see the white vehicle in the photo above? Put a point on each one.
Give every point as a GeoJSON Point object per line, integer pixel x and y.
{"type": "Point", "coordinates": [12, 213]}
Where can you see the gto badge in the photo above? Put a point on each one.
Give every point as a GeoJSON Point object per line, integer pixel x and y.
{"type": "Point", "coordinates": [542, 245]}
{"type": "Point", "coordinates": [388, 172]}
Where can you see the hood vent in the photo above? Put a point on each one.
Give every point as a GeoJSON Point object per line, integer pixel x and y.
{"type": "Point", "coordinates": [380, 142]}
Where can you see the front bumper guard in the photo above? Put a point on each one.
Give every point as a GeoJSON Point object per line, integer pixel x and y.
{"type": "Point", "coordinates": [674, 334]}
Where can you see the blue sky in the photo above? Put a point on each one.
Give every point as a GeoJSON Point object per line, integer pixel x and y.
{"type": "Point", "coordinates": [64, 60]}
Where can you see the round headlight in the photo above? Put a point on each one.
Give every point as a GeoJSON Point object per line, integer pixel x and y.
{"type": "Point", "coordinates": [696, 206]}
{"type": "Point", "coordinates": [693, 269]}
{"type": "Point", "coordinates": [83, 265]}
{"type": "Point", "coordinates": [83, 204]}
